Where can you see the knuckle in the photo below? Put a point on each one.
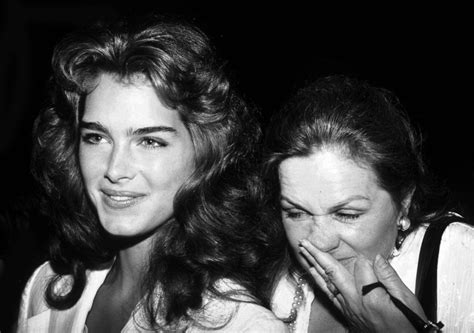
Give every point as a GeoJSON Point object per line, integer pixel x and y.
{"type": "Point", "coordinates": [368, 300]}
{"type": "Point", "coordinates": [330, 272]}
{"type": "Point", "coordinates": [374, 301]}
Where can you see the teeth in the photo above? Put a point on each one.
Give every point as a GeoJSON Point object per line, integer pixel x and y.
{"type": "Point", "coordinates": [120, 198]}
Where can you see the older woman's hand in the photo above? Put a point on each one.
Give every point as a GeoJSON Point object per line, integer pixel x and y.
{"type": "Point", "coordinates": [372, 312]}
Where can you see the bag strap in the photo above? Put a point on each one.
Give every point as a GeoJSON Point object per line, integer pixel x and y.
{"type": "Point", "coordinates": [426, 275]}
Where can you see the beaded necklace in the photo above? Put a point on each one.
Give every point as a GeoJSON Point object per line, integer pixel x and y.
{"type": "Point", "coordinates": [297, 301]}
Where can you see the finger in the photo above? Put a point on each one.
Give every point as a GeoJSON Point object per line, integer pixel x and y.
{"type": "Point", "coordinates": [310, 261]}
{"type": "Point", "coordinates": [333, 269]}
{"type": "Point", "coordinates": [364, 275]}
{"type": "Point", "coordinates": [305, 261]}
{"type": "Point", "coordinates": [315, 268]}
{"type": "Point", "coordinates": [395, 286]}
{"type": "Point", "coordinates": [308, 258]}
{"type": "Point", "coordinates": [321, 278]}
{"type": "Point", "coordinates": [324, 284]}
{"type": "Point", "coordinates": [389, 277]}
{"type": "Point", "coordinates": [363, 272]}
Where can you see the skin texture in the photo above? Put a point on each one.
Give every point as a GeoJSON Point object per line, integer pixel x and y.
{"type": "Point", "coordinates": [342, 226]}
{"type": "Point", "coordinates": [338, 206]}
{"type": "Point", "coordinates": [372, 312]}
{"type": "Point", "coordinates": [146, 169]}
{"type": "Point", "coordinates": [134, 154]}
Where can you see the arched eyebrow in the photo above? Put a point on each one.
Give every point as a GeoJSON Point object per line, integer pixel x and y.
{"type": "Point", "coordinates": [151, 129]}
{"type": "Point", "coordinates": [93, 126]}
{"type": "Point", "coordinates": [334, 208]}
{"type": "Point", "coordinates": [96, 126]}
{"type": "Point", "coordinates": [294, 204]}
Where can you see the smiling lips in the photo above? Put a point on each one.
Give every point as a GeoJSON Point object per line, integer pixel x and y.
{"type": "Point", "coordinates": [121, 199]}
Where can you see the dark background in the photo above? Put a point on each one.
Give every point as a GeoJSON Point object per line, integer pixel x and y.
{"type": "Point", "coordinates": [420, 54]}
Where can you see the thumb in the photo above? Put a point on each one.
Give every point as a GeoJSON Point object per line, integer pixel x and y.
{"type": "Point", "coordinates": [389, 277]}
{"type": "Point", "coordinates": [395, 286]}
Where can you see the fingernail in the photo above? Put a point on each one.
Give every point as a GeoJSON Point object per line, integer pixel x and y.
{"type": "Point", "coordinates": [304, 242]}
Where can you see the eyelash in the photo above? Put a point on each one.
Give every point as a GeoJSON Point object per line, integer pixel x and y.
{"type": "Point", "coordinates": [296, 215]}
{"type": "Point", "coordinates": [292, 214]}
{"type": "Point", "coordinates": [91, 138]}
{"type": "Point", "coordinates": [146, 142]}
{"type": "Point", "coordinates": [152, 143]}
{"type": "Point", "coordinates": [347, 217]}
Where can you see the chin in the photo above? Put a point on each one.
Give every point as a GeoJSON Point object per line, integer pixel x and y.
{"type": "Point", "coordinates": [121, 231]}
{"type": "Point", "coordinates": [121, 226]}
{"type": "Point", "coordinates": [131, 226]}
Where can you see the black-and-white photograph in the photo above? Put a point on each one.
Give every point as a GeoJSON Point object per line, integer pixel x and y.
{"type": "Point", "coordinates": [197, 167]}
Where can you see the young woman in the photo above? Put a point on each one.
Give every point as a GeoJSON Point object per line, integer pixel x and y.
{"type": "Point", "coordinates": [351, 197]}
{"type": "Point", "coordinates": [144, 158]}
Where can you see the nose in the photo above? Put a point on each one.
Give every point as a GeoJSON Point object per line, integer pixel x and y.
{"type": "Point", "coordinates": [120, 165]}
{"type": "Point", "coordinates": [324, 234]}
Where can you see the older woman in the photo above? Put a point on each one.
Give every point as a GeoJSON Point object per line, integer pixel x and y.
{"type": "Point", "coordinates": [353, 198]}
{"type": "Point", "coordinates": [142, 158]}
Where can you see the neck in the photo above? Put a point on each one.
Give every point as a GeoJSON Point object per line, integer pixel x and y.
{"type": "Point", "coordinates": [130, 266]}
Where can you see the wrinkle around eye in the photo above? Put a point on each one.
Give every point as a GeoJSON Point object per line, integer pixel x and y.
{"type": "Point", "coordinates": [293, 214]}
{"type": "Point", "coordinates": [347, 217]}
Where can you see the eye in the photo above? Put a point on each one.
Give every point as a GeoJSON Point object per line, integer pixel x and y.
{"type": "Point", "coordinates": [347, 217]}
{"type": "Point", "coordinates": [294, 214]}
{"type": "Point", "coordinates": [152, 143]}
{"type": "Point", "coordinates": [92, 138]}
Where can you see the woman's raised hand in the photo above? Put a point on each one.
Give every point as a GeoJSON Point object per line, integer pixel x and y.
{"type": "Point", "coordinates": [372, 310]}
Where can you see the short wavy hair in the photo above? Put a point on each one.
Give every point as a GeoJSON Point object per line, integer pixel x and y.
{"type": "Point", "coordinates": [367, 123]}
{"type": "Point", "coordinates": [211, 236]}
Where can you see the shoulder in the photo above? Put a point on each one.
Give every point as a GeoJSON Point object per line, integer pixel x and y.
{"type": "Point", "coordinates": [237, 312]}
{"type": "Point", "coordinates": [455, 232]}
{"type": "Point", "coordinates": [455, 276]}
{"type": "Point", "coordinates": [457, 244]}
{"type": "Point", "coordinates": [32, 300]}
{"type": "Point", "coordinates": [459, 232]}
{"type": "Point", "coordinates": [238, 316]}
{"type": "Point", "coordinates": [33, 294]}
{"type": "Point", "coordinates": [252, 317]}
{"type": "Point", "coordinates": [283, 296]}
{"type": "Point", "coordinates": [457, 240]}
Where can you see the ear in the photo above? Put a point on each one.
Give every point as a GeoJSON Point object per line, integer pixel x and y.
{"type": "Point", "coordinates": [406, 201]}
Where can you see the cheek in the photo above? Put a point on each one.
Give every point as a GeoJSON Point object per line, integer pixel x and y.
{"type": "Point", "coordinates": [93, 166]}
{"type": "Point", "coordinates": [388, 235]}
{"type": "Point", "coordinates": [168, 174]}
{"type": "Point", "coordinates": [86, 165]}
{"type": "Point", "coordinates": [378, 239]}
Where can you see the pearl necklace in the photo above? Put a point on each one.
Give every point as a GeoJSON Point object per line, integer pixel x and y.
{"type": "Point", "coordinates": [297, 301]}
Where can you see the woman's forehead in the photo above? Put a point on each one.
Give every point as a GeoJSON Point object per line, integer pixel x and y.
{"type": "Point", "coordinates": [327, 171]}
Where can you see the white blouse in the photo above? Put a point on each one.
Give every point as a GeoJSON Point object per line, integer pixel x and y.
{"type": "Point", "coordinates": [455, 280]}
{"type": "Point", "coordinates": [36, 316]}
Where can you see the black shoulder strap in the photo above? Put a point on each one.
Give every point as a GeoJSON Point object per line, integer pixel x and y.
{"type": "Point", "coordinates": [426, 276]}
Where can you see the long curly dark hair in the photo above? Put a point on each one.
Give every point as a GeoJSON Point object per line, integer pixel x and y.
{"type": "Point", "coordinates": [371, 126]}
{"type": "Point", "coordinates": [213, 232]}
